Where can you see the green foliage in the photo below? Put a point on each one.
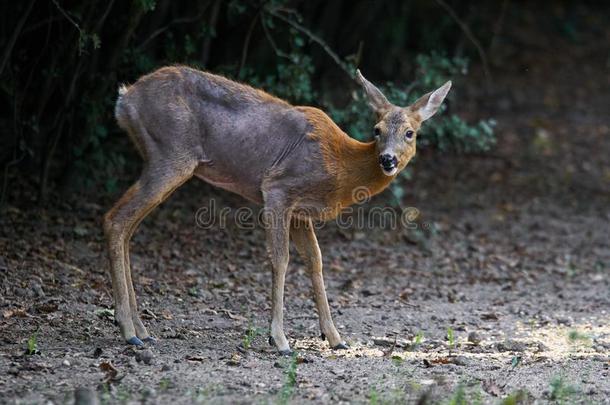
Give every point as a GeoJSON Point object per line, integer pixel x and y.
{"type": "Point", "coordinates": [373, 396]}
{"type": "Point", "coordinates": [417, 341]}
{"type": "Point", "coordinates": [575, 337]}
{"type": "Point", "coordinates": [451, 338]}
{"type": "Point", "coordinates": [290, 380]}
{"type": "Point", "coordinates": [251, 333]}
{"type": "Point", "coordinates": [515, 398]}
{"type": "Point", "coordinates": [147, 5]}
{"type": "Point", "coordinates": [85, 39]}
{"type": "Point", "coordinates": [453, 133]}
{"type": "Point", "coordinates": [459, 396]}
{"type": "Point", "coordinates": [32, 344]}
{"type": "Point", "coordinates": [463, 395]}
{"type": "Point", "coordinates": [561, 391]}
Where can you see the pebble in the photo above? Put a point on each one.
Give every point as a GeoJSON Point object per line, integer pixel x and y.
{"type": "Point", "coordinates": [144, 356]}
{"type": "Point", "coordinates": [511, 346]}
{"type": "Point", "coordinates": [37, 289]}
{"type": "Point", "coordinates": [66, 362]}
{"type": "Point", "coordinates": [461, 361]}
{"type": "Point", "coordinates": [474, 338]}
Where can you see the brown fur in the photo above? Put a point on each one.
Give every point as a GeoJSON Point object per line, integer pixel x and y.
{"type": "Point", "coordinates": [353, 164]}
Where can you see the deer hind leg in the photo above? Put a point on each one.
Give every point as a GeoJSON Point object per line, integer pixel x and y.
{"type": "Point", "coordinates": [304, 238]}
{"type": "Point", "coordinates": [277, 229]}
{"type": "Point", "coordinates": [153, 187]}
{"type": "Point", "coordinates": [141, 331]}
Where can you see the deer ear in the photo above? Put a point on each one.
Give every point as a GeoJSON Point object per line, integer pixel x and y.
{"type": "Point", "coordinates": [428, 104]}
{"type": "Point", "coordinates": [378, 102]}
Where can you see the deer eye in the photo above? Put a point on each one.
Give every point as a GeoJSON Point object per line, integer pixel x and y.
{"type": "Point", "coordinates": [377, 132]}
{"type": "Point", "coordinates": [409, 134]}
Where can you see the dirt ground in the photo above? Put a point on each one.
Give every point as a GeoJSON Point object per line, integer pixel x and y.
{"type": "Point", "coordinates": [501, 294]}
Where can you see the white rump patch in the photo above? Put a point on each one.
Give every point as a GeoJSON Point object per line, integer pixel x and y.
{"type": "Point", "coordinates": [122, 90]}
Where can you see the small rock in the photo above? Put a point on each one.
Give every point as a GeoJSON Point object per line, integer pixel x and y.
{"type": "Point", "coordinates": [37, 289]}
{"type": "Point", "coordinates": [85, 396]}
{"type": "Point", "coordinates": [460, 361]}
{"type": "Point", "coordinates": [511, 346]}
{"type": "Point", "coordinates": [166, 367]}
{"type": "Point", "coordinates": [144, 356]}
{"type": "Point", "coordinates": [234, 360]}
{"type": "Point", "coordinates": [474, 338]}
{"type": "Point", "coordinates": [66, 362]}
{"type": "Point", "coordinates": [385, 342]}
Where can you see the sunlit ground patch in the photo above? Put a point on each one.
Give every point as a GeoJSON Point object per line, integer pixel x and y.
{"type": "Point", "coordinates": [554, 342]}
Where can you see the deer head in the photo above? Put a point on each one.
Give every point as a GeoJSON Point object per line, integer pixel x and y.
{"type": "Point", "coordinates": [396, 128]}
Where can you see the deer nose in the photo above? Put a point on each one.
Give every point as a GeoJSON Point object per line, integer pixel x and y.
{"type": "Point", "coordinates": [387, 161]}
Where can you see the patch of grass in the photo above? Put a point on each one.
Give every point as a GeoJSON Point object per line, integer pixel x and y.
{"type": "Point", "coordinates": [123, 395]}
{"type": "Point", "coordinates": [164, 384]}
{"type": "Point", "coordinates": [459, 396]}
{"type": "Point", "coordinates": [515, 398]}
{"type": "Point", "coordinates": [105, 396]}
{"type": "Point", "coordinates": [251, 334]}
{"type": "Point", "coordinates": [462, 396]}
{"type": "Point", "coordinates": [561, 391]}
{"type": "Point", "coordinates": [33, 344]}
{"type": "Point", "coordinates": [290, 380]}
{"type": "Point", "coordinates": [395, 396]}
{"type": "Point", "coordinates": [417, 341]}
{"type": "Point", "coordinates": [373, 396]}
{"type": "Point", "coordinates": [575, 337]}
{"type": "Point", "coordinates": [201, 395]}
{"type": "Point", "coordinates": [451, 338]}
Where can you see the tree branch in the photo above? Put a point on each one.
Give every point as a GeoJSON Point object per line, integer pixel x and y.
{"type": "Point", "coordinates": [9, 47]}
{"type": "Point", "coordinates": [161, 30]}
{"type": "Point", "coordinates": [471, 37]}
{"type": "Point", "coordinates": [244, 51]}
{"type": "Point", "coordinates": [315, 39]}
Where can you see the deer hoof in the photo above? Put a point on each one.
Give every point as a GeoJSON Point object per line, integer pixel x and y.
{"type": "Point", "coordinates": [341, 346]}
{"type": "Point", "coordinates": [271, 341]}
{"type": "Point", "coordinates": [286, 352]}
{"type": "Point", "coordinates": [150, 340]}
{"type": "Point", "coordinates": [135, 341]}
{"type": "Point", "coordinates": [322, 336]}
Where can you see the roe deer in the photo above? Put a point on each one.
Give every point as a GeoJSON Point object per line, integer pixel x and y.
{"type": "Point", "coordinates": [186, 123]}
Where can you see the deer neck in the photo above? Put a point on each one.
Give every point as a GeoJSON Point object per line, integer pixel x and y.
{"type": "Point", "coordinates": [353, 165]}
{"type": "Point", "coordinates": [359, 175]}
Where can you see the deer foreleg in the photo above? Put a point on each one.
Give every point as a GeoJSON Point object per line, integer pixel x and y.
{"type": "Point", "coordinates": [277, 230]}
{"type": "Point", "coordinates": [305, 241]}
